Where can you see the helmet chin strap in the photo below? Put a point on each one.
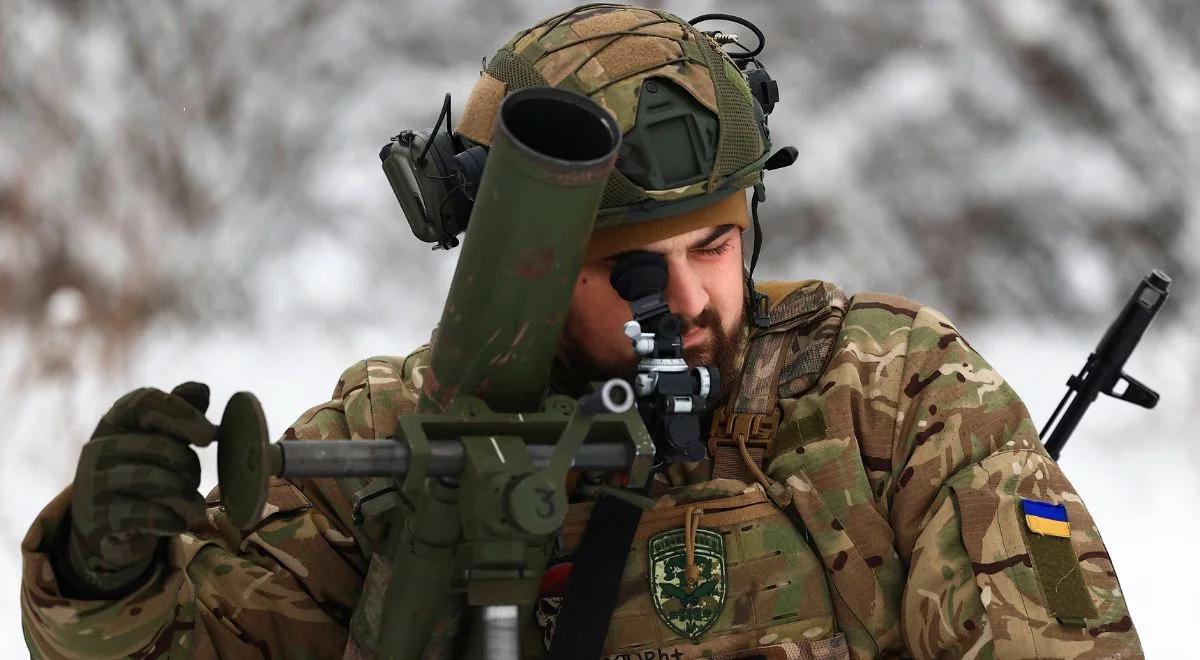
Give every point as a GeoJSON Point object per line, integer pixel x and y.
{"type": "Point", "coordinates": [756, 301]}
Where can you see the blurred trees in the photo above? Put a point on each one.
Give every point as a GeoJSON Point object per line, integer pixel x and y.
{"type": "Point", "coordinates": [215, 163]}
{"type": "Point", "coordinates": [993, 158]}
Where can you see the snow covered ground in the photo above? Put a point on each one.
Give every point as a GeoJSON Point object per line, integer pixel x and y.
{"type": "Point", "coordinates": [1135, 469]}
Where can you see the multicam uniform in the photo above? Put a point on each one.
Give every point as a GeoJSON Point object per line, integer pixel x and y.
{"type": "Point", "coordinates": [905, 508]}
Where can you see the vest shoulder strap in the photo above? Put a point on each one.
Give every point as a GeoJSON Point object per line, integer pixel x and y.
{"type": "Point", "coordinates": [783, 359]}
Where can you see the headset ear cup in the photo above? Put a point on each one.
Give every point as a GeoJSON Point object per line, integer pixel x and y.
{"type": "Point", "coordinates": [764, 88]}
{"type": "Point", "coordinates": [441, 152]}
{"type": "Point", "coordinates": [454, 207]}
{"type": "Point", "coordinates": [470, 163]}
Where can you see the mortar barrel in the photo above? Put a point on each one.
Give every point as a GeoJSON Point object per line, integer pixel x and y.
{"type": "Point", "coordinates": [551, 154]}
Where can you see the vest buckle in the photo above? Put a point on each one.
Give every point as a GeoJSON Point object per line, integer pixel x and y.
{"type": "Point", "coordinates": [758, 429]}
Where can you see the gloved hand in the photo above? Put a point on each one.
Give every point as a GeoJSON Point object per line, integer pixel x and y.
{"type": "Point", "coordinates": [135, 484]}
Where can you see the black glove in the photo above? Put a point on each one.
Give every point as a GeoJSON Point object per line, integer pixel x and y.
{"type": "Point", "coordinates": [136, 483]}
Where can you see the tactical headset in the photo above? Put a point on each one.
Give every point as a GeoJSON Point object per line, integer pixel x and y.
{"type": "Point", "coordinates": [435, 175]}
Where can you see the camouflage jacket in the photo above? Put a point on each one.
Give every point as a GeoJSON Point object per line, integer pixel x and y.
{"type": "Point", "coordinates": [921, 517]}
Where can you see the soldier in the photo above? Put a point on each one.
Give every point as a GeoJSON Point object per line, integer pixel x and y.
{"type": "Point", "coordinates": [873, 487]}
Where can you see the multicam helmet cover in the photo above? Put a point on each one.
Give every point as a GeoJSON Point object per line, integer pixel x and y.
{"type": "Point", "coordinates": [693, 133]}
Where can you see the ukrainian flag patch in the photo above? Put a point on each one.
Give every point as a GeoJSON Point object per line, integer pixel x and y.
{"type": "Point", "coordinates": [1046, 519]}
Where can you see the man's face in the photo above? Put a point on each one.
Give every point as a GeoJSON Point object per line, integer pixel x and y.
{"type": "Point", "coordinates": [704, 288]}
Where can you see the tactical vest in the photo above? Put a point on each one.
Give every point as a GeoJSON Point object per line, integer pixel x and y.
{"type": "Point", "coordinates": [718, 568]}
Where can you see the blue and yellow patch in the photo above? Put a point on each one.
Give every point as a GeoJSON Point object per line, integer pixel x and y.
{"type": "Point", "coordinates": [1046, 519]}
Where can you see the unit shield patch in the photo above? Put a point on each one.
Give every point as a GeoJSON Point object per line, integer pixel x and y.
{"type": "Point", "coordinates": [689, 610]}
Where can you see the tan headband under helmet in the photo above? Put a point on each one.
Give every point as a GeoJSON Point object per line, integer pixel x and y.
{"type": "Point", "coordinates": [613, 240]}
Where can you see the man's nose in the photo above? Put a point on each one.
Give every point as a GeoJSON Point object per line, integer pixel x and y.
{"type": "Point", "coordinates": [685, 292]}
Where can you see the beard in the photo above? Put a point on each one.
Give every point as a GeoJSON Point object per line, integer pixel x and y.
{"type": "Point", "coordinates": [722, 349]}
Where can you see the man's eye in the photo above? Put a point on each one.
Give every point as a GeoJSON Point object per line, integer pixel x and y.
{"type": "Point", "coordinates": [715, 251]}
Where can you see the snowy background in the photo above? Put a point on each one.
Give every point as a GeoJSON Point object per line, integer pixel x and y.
{"type": "Point", "coordinates": [191, 191]}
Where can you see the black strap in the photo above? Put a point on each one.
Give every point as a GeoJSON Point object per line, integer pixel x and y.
{"type": "Point", "coordinates": [756, 301]}
{"type": "Point", "coordinates": [760, 195]}
{"type": "Point", "coordinates": [595, 579]}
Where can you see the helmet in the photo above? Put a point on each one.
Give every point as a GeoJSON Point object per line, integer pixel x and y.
{"type": "Point", "coordinates": [693, 132]}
